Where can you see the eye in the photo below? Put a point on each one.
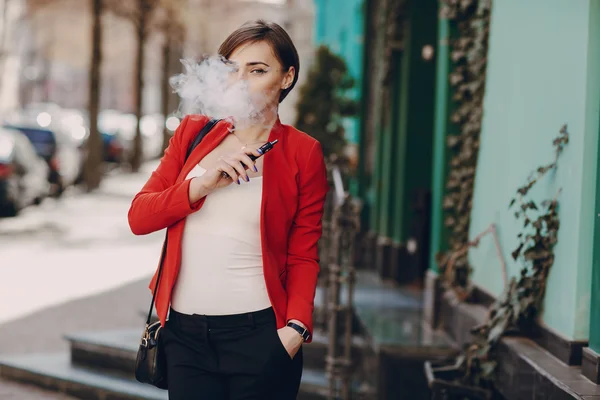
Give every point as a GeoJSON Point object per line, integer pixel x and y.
{"type": "Point", "coordinates": [258, 71]}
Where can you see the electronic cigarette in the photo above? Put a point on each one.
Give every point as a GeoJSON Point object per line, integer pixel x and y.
{"type": "Point", "coordinates": [265, 148]}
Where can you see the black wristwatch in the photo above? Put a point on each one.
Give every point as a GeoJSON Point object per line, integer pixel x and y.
{"type": "Point", "coordinates": [303, 332]}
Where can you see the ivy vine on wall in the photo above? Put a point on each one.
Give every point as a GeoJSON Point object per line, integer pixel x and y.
{"type": "Point", "coordinates": [469, 57]}
{"type": "Point", "coordinates": [517, 309]}
{"type": "Point", "coordinates": [521, 302]}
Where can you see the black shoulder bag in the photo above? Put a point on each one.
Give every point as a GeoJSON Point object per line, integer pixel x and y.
{"type": "Point", "coordinates": [150, 363]}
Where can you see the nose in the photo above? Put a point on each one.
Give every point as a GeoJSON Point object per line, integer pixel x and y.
{"type": "Point", "coordinates": [241, 74]}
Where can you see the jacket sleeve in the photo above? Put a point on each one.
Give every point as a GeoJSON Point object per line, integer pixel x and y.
{"type": "Point", "coordinates": [303, 255]}
{"type": "Point", "coordinates": [162, 201]}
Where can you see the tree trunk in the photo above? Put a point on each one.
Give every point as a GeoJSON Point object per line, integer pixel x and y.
{"type": "Point", "coordinates": [165, 86]}
{"type": "Point", "coordinates": [137, 154]}
{"type": "Point", "coordinates": [93, 168]}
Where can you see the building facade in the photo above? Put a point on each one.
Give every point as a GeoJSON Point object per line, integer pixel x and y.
{"type": "Point", "coordinates": [542, 73]}
{"type": "Point", "coordinates": [339, 25]}
{"type": "Point", "coordinates": [397, 133]}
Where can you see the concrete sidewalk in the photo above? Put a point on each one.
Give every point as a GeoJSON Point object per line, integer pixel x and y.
{"type": "Point", "coordinates": [13, 391]}
{"type": "Point", "coordinates": [43, 331]}
{"type": "Point", "coordinates": [92, 224]}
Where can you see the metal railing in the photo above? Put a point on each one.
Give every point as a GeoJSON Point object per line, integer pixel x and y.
{"type": "Point", "coordinates": [341, 228]}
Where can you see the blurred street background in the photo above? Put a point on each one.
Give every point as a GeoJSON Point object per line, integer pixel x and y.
{"type": "Point", "coordinates": [460, 256]}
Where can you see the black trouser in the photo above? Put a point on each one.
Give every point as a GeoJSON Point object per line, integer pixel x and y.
{"type": "Point", "coordinates": [228, 357]}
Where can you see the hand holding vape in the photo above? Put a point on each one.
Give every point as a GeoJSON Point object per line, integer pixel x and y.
{"type": "Point", "coordinates": [265, 148]}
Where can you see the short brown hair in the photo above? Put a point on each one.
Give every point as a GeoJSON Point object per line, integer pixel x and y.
{"type": "Point", "coordinates": [275, 36]}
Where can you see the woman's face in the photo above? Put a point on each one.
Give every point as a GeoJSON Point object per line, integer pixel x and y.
{"type": "Point", "coordinates": [256, 64]}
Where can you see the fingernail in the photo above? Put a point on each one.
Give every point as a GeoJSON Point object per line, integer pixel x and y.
{"type": "Point", "coordinates": [255, 169]}
{"type": "Point", "coordinates": [238, 181]}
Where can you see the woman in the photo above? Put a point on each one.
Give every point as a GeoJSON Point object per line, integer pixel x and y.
{"type": "Point", "coordinates": [241, 265]}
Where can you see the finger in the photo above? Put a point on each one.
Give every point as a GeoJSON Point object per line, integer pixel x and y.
{"type": "Point", "coordinates": [254, 151]}
{"type": "Point", "coordinates": [251, 150]}
{"type": "Point", "coordinates": [246, 160]}
{"type": "Point", "coordinates": [235, 163]}
{"type": "Point", "coordinates": [228, 168]}
{"type": "Point", "coordinates": [225, 167]}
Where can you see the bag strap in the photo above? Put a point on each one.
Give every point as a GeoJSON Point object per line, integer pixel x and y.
{"type": "Point", "coordinates": [207, 128]}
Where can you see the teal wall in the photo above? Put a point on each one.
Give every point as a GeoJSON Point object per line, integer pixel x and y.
{"type": "Point", "coordinates": [541, 74]}
{"type": "Point", "coordinates": [593, 117]}
{"type": "Point", "coordinates": [339, 24]}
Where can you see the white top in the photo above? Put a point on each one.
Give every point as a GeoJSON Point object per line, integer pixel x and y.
{"type": "Point", "coordinates": [221, 268]}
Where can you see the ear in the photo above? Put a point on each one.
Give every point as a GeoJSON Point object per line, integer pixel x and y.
{"type": "Point", "coordinates": [288, 78]}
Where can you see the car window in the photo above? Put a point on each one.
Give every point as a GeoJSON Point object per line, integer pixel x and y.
{"type": "Point", "coordinates": [43, 140]}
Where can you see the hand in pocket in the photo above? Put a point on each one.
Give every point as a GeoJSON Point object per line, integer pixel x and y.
{"type": "Point", "coordinates": [290, 340]}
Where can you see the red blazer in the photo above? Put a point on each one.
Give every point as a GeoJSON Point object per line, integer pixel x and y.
{"type": "Point", "coordinates": [294, 189]}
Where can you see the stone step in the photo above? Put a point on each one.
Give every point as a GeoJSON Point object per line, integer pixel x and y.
{"type": "Point", "coordinates": [55, 372]}
{"type": "Point", "coordinates": [116, 350]}
{"type": "Point", "coordinates": [113, 350]}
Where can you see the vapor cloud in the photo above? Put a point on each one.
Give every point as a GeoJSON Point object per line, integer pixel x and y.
{"type": "Point", "coordinates": [210, 87]}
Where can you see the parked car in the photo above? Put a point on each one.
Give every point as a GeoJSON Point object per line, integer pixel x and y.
{"type": "Point", "coordinates": [23, 174]}
{"type": "Point", "coordinates": [58, 148]}
{"type": "Point", "coordinates": [113, 151]}
{"type": "Point", "coordinates": [123, 126]}
{"type": "Point", "coordinates": [118, 126]}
